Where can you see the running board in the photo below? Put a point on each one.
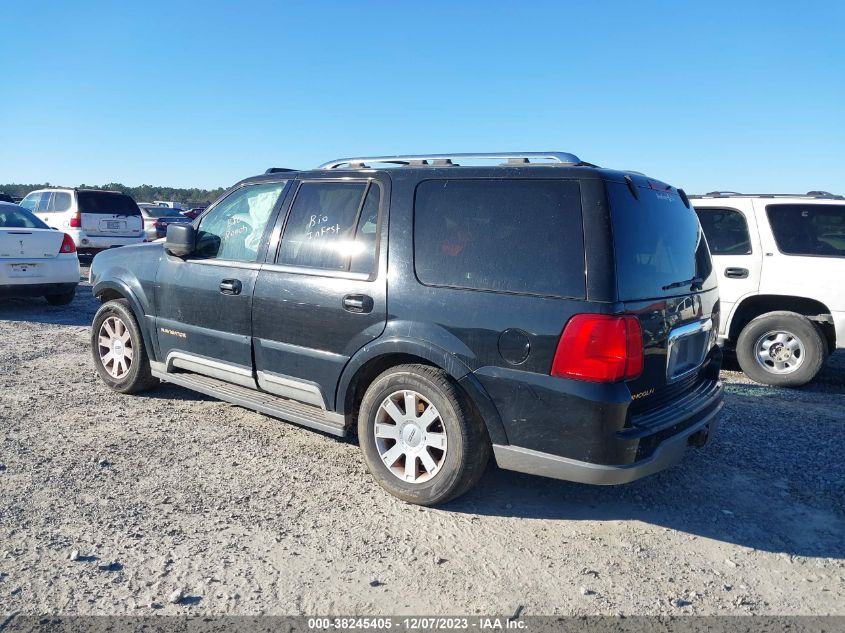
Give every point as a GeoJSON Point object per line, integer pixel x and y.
{"type": "Point", "coordinates": [288, 410]}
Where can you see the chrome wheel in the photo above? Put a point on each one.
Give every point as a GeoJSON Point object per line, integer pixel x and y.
{"type": "Point", "coordinates": [115, 347]}
{"type": "Point", "coordinates": [779, 352]}
{"type": "Point", "coordinates": [410, 436]}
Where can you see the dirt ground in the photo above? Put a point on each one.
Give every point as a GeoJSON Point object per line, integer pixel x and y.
{"type": "Point", "coordinates": [171, 502]}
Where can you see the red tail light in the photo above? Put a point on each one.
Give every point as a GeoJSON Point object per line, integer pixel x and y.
{"type": "Point", "coordinates": [67, 245]}
{"type": "Point", "coordinates": [76, 221]}
{"type": "Point", "coordinates": [600, 348]}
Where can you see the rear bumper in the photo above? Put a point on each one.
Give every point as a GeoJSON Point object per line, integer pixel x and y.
{"type": "Point", "coordinates": [85, 241]}
{"type": "Point", "coordinates": [36, 290]}
{"type": "Point", "coordinates": [667, 454]}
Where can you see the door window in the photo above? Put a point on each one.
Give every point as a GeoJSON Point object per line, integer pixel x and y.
{"type": "Point", "coordinates": [234, 229]}
{"type": "Point", "coordinates": [808, 229]}
{"type": "Point", "coordinates": [60, 202]}
{"type": "Point", "coordinates": [726, 231]}
{"type": "Point", "coordinates": [333, 226]}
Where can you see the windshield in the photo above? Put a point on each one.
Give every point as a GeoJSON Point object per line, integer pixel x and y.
{"type": "Point", "coordinates": [15, 217]}
{"type": "Point", "coordinates": [104, 202]}
{"type": "Point", "coordinates": [660, 247]}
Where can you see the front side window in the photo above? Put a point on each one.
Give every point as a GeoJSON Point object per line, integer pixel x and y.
{"type": "Point", "coordinates": [726, 231]}
{"type": "Point", "coordinates": [523, 236]}
{"type": "Point", "coordinates": [234, 229]}
{"type": "Point", "coordinates": [31, 200]}
{"type": "Point", "coordinates": [333, 225]}
{"type": "Point", "coordinates": [808, 229]}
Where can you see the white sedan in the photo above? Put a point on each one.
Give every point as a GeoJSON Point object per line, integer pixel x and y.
{"type": "Point", "coordinates": [35, 260]}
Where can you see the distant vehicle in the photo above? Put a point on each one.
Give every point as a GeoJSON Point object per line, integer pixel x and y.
{"type": "Point", "coordinates": [5, 197]}
{"type": "Point", "coordinates": [94, 219]}
{"type": "Point", "coordinates": [156, 219]}
{"type": "Point", "coordinates": [193, 213]}
{"type": "Point", "coordinates": [448, 311]}
{"type": "Point", "coordinates": [35, 260]}
{"type": "Point", "coordinates": [781, 265]}
{"type": "Point", "coordinates": [170, 204]}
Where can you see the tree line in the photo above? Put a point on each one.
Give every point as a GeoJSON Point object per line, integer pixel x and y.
{"type": "Point", "coordinates": [144, 193]}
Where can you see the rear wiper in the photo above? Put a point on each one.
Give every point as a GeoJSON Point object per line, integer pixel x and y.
{"type": "Point", "coordinates": [695, 284]}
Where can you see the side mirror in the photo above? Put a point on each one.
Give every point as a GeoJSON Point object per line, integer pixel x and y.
{"type": "Point", "coordinates": [180, 240]}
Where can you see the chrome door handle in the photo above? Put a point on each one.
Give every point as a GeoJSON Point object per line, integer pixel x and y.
{"type": "Point", "coordinates": [358, 303]}
{"type": "Point", "coordinates": [231, 286]}
{"type": "Point", "coordinates": [736, 273]}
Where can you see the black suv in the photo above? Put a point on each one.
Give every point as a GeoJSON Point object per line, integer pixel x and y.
{"type": "Point", "coordinates": [557, 314]}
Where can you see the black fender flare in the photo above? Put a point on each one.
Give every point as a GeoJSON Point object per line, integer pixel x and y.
{"type": "Point", "coordinates": [435, 355]}
{"type": "Point", "coordinates": [119, 286]}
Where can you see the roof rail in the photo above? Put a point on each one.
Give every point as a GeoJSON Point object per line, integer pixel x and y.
{"type": "Point", "coordinates": [276, 170]}
{"type": "Point", "coordinates": [513, 158]}
{"type": "Point", "coordinates": [822, 195]}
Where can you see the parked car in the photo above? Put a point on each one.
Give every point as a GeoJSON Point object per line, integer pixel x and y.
{"type": "Point", "coordinates": [94, 219]}
{"type": "Point", "coordinates": [157, 218]}
{"type": "Point", "coordinates": [556, 314]}
{"type": "Point", "coordinates": [781, 266]}
{"type": "Point", "coordinates": [35, 260]}
{"type": "Point", "coordinates": [193, 213]}
{"type": "Point", "coordinates": [5, 197]}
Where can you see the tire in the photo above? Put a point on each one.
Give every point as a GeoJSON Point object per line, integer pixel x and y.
{"type": "Point", "coordinates": [467, 446]}
{"type": "Point", "coordinates": [782, 349]}
{"type": "Point", "coordinates": [133, 373]}
{"type": "Point", "coordinates": [61, 299]}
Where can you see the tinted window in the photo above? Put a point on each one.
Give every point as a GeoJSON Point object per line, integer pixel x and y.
{"type": "Point", "coordinates": [15, 217]}
{"type": "Point", "coordinates": [331, 225]}
{"type": "Point", "coordinates": [658, 242]}
{"type": "Point", "coordinates": [233, 230]}
{"type": "Point", "coordinates": [726, 231]}
{"type": "Point", "coordinates": [59, 202]}
{"type": "Point", "coordinates": [521, 236]}
{"type": "Point", "coordinates": [808, 229]}
{"type": "Point", "coordinates": [104, 202]}
{"type": "Point", "coordinates": [161, 212]}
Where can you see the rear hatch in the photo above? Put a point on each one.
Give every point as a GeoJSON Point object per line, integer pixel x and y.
{"type": "Point", "coordinates": [109, 214]}
{"type": "Point", "coordinates": [665, 277]}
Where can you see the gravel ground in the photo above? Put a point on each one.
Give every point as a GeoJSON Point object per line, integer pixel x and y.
{"type": "Point", "coordinates": [170, 502]}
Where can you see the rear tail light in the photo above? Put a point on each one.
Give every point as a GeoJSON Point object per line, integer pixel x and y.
{"type": "Point", "coordinates": [600, 348]}
{"type": "Point", "coordinates": [67, 245]}
{"type": "Point", "coordinates": [76, 221]}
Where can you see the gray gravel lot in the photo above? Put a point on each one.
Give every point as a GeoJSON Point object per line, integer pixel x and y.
{"type": "Point", "coordinates": [171, 502]}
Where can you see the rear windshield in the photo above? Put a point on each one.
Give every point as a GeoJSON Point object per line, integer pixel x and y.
{"type": "Point", "coordinates": [106, 203]}
{"type": "Point", "coordinates": [808, 229]}
{"type": "Point", "coordinates": [521, 236]}
{"type": "Point", "coordinates": [15, 217]}
{"type": "Point", "coordinates": [658, 242]}
{"type": "Point", "coordinates": [162, 212]}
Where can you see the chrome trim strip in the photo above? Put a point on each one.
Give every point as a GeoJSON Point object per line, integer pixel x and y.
{"type": "Point", "coordinates": [291, 388]}
{"type": "Point", "coordinates": [690, 329]}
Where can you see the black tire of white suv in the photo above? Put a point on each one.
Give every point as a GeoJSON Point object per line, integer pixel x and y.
{"type": "Point", "coordinates": [782, 349]}
{"type": "Point", "coordinates": [421, 440]}
{"type": "Point", "coordinates": [118, 349]}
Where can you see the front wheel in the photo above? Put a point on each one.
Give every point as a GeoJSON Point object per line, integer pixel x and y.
{"type": "Point", "coordinates": [782, 349]}
{"type": "Point", "coordinates": [420, 437]}
{"type": "Point", "coordinates": [118, 349]}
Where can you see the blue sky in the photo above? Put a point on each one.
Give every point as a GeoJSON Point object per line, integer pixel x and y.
{"type": "Point", "coordinates": [743, 96]}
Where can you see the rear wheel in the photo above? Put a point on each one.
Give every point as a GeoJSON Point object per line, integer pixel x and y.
{"type": "Point", "coordinates": [118, 349]}
{"type": "Point", "coordinates": [783, 349]}
{"type": "Point", "coordinates": [61, 299]}
{"type": "Point", "coordinates": [420, 438]}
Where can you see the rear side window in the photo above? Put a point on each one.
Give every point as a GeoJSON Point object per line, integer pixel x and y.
{"type": "Point", "coordinates": [332, 225]}
{"type": "Point", "coordinates": [808, 229]}
{"type": "Point", "coordinates": [106, 203]}
{"type": "Point", "coordinates": [659, 245]}
{"type": "Point", "coordinates": [59, 202]}
{"type": "Point", "coordinates": [726, 231]}
{"type": "Point", "coordinates": [522, 236]}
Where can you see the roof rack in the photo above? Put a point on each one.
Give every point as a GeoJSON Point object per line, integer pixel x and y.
{"type": "Point", "coordinates": [820, 195]}
{"type": "Point", "coordinates": [276, 170]}
{"type": "Point", "coordinates": [436, 160]}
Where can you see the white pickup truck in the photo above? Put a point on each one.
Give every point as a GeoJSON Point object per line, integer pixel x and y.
{"type": "Point", "coordinates": [781, 265]}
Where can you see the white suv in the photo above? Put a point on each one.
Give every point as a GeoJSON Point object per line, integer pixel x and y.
{"type": "Point", "coordinates": [94, 219]}
{"type": "Point", "coordinates": [781, 266]}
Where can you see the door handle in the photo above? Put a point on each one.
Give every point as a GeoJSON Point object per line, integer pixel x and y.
{"type": "Point", "coordinates": [231, 286]}
{"type": "Point", "coordinates": [736, 273]}
{"type": "Point", "coordinates": [358, 303]}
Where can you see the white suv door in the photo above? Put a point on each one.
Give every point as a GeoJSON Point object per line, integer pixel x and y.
{"type": "Point", "coordinates": [731, 231]}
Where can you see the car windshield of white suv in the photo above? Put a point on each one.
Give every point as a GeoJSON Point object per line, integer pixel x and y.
{"type": "Point", "coordinates": [15, 217]}
{"type": "Point", "coordinates": [808, 229]}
